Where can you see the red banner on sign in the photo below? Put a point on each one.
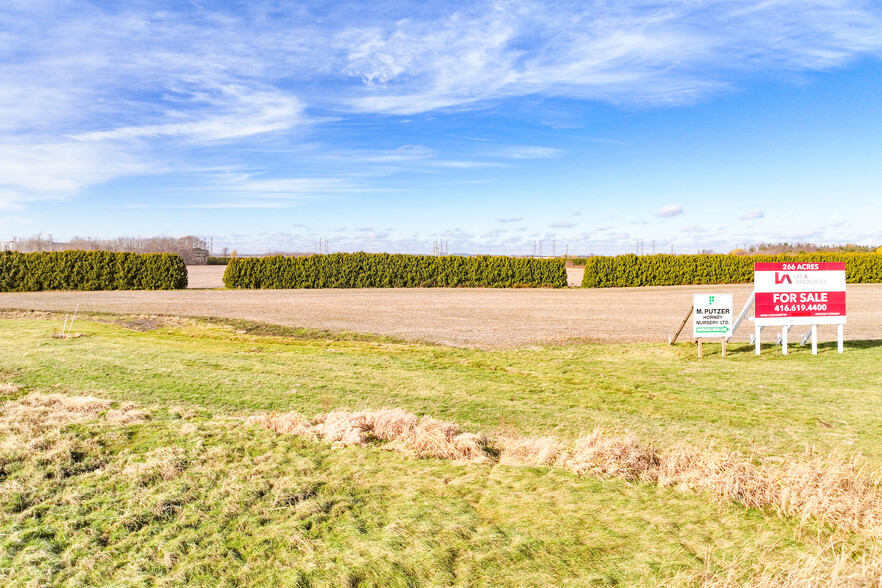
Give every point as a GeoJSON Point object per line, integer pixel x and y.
{"type": "Point", "coordinates": [800, 267]}
{"type": "Point", "coordinates": [799, 289]}
{"type": "Point", "coordinates": [775, 304]}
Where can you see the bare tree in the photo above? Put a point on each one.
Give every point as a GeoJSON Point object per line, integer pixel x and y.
{"type": "Point", "coordinates": [194, 250]}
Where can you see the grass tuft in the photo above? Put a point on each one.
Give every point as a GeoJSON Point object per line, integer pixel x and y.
{"type": "Point", "coordinates": [8, 388]}
{"type": "Point", "coordinates": [427, 437]}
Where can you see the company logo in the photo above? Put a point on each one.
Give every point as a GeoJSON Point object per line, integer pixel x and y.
{"type": "Point", "coordinates": [780, 279]}
{"type": "Point", "coordinates": [710, 301]}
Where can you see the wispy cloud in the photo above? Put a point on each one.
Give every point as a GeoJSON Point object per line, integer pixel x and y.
{"type": "Point", "coordinates": [562, 225]}
{"type": "Point", "coordinates": [152, 88]}
{"type": "Point", "coordinates": [670, 210]}
{"type": "Point", "coordinates": [511, 219]}
{"type": "Point", "coordinates": [236, 114]}
{"type": "Point", "coordinates": [752, 215]}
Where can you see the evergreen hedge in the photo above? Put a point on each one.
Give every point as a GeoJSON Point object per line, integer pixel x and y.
{"type": "Point", "coordinates": [384, 270]}
{"type": "Point", "coordinates": [90, 270]}
{"type": "Point", "coordinates": [678, 270]}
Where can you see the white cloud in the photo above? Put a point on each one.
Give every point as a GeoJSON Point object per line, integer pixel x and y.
{"type": "Point", "coordinates": [669, 211]}
{"type": "Point", "coordinates": [752, 215]}
{"type": "Point", "coordinates": [562, 225]}
{"type": "Point", "coordinates": [513, 219]}
{"type": "Point", "coordinates": [670, 53]}
{"type": "Point", "coordinates": [237, 114]}
{"type": "Point", "coordinates": [528, 152]}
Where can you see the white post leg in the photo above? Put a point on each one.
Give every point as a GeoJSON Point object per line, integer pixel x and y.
{"type": "Point", "coordinates": [784, 340]}
{"type": "Point", "coordinates": [839, 329]}
{"type": "Point", "coordinates": [756, 338]}
{"type": "Point", "coordinates": [814, 339]}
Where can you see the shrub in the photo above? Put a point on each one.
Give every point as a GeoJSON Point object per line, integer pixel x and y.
{"type": "Point", "coordinates": [678, 270]}
{"type": "Point", "coordinates": [217, 260]}
{"type": "Point", "coordinates": [90, 270]}
{"type": "Point", "coordinates": [384, 270]}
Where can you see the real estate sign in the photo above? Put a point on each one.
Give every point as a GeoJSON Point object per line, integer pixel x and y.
{"type": "Point", "coordinates": [712, 315]}
{"type": "Point", "coordinates": [791, 290]}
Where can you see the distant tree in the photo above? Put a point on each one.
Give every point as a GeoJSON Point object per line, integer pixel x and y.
{"type": "Point", "coordinates": [194, 250]}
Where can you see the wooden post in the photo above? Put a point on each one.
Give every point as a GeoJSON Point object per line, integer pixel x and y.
{"type": "Point", "coordinates": [724, 347]}
{"type": "Point", "coordinates": [699, 347]}
{"type": "Point", "coordinates": [672, 340]}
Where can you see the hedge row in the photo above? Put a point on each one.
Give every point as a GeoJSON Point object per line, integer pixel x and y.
{"type": "Point", "coordinates": [384, 270]}
{"type": "Point", "coordinates": [677, 270]}
{"type": "Point", "coordinates": [217, 260]}
{"type": "Point", "coordinates": [90, 270]}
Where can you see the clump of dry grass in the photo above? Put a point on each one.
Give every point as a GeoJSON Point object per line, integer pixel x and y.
{"type": "Point", "coordinates": [425, 436]}
{"type": "Point", "coordinates": [542, 451]}
{"type": "Point", "coordinates": [35, 413]}
{"type": "Point", "coordinates": [8, 388]}
{"type": "Point", "coordinates": [443, 439]}
{"type": "Point", "coordinates": [163, 463]}
{"type": "Point", "coordinates": [621, 457]}
{"type": "Point", "coordinates": [289, 423]}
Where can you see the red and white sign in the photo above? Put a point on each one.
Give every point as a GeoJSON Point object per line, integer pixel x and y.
{"type": "Point", "coordinates": [799, 289]}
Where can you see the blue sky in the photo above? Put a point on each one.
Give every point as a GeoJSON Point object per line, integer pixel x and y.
{"type": "Point", "coordinates": [387, 126]}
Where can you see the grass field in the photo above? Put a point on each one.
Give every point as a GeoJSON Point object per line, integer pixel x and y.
{"type": "Point", "coordinates": [133, 454]}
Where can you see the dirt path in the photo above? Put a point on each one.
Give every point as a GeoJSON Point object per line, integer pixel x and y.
{"type": "Point", "coordinates": [212, 276]}
{"type": "Point", "coordinates": [205, 276]}
{"type": "Point", "coordinates": [487, 318]}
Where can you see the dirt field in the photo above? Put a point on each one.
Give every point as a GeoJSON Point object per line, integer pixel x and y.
{"type": "Point", "coordinates": [486, 318]}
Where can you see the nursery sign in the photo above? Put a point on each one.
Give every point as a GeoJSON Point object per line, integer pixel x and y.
{"type": "Point", "coordinates": [784, 290]}
{"type": "Point", "coordinates": [712, 315]}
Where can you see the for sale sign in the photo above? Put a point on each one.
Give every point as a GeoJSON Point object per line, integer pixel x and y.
{"type": "Point", "coordinates": [712, 315]}
{"type": "Point", "coordinates": [799, 289]}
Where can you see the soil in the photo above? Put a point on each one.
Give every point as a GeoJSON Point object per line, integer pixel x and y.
{"type": "Point", "coordinates": [468, 317]}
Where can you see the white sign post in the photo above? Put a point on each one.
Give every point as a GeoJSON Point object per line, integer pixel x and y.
{"type": "Point", "coordinates": [788, 294]}
{"type": "Point", "coordinates": [712, 318]}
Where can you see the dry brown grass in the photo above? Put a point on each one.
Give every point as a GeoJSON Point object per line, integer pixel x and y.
{"type": "Point", "coordinates": [831, 567]}
{"type": "Point", "coordinates": [425, 436]}
{"type": "Point", "coordinates": [36, 413]}
{"type": "Point", "coordinates": [8, 388]}
{"type": "Point", "coordinates": [31, 433]}
{"type": "Point", "coordinates": [824, 490]}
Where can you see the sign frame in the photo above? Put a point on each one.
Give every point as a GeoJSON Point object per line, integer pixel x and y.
{"type": "Point", "coordinates": [789, 294]}
{"type": "Point", "coordinates": [712, 318]}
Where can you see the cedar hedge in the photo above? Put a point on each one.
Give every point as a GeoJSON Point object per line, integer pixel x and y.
{"type": "Point", "coordinates": [385, 270]}
{"type": "Point", "coordinates": [679, 270]}
{"type": "Point", "coordinates": [90, 270]}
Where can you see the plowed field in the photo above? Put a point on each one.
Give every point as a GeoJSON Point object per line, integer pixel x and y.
{"type": "Point", "coordinates": [484, 318]}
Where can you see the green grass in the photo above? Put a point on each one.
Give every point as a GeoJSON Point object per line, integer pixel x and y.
{"type": "Point", "coordinates": [768, 404]}
{"type": "Point", "coordinates": [96, 503]}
